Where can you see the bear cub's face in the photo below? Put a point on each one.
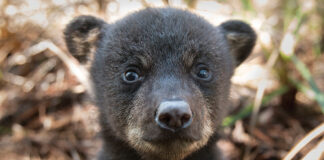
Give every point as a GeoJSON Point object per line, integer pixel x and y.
{"type": "Point", "coordinates": [161, 76]}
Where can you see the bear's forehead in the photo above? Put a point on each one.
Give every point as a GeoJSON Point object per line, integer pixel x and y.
{"type": "Point", "coordinates": [163, 23]}
{"type": "Point", "coordinates": [161, 34]}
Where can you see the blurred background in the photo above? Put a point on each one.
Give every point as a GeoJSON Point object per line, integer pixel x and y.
{"type": "Point", "coordinates": [277, 94]}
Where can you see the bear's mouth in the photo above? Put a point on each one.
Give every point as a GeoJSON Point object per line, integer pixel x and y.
{"type": "Point", "coordinates": [161, 142]}
{"type": "Point", "coordinates": [170, 137]}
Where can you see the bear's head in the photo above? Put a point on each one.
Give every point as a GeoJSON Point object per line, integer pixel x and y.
{"type": "Point", "coordinates": [161, 76]}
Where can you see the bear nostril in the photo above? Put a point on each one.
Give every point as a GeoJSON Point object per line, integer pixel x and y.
{"type": "Point", "coordinates": [173, 115]}
{"type": "Point", "coordinates": [185, 118]}
{"type": "Point", "coordinates": [164, 118]}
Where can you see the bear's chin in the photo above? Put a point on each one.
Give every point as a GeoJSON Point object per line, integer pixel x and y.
{"type": "Point", "coordinates": [177, 149]}
{"type": "Point", "coordinates": [167, 149]}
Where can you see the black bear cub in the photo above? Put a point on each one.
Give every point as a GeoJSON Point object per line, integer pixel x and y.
{"type": "Point", "coordinates": [161, 79]}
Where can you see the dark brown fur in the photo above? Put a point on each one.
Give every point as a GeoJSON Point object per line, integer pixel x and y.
{"type": "Point", "coordinates": [166, 46]}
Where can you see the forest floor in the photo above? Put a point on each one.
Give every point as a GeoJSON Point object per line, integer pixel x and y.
{"type": "Point", "coordinates": [46, 113]}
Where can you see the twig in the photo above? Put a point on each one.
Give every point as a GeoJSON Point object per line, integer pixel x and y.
{"type": "Point", "coordinates": [257, 104]}
{"type": "Point", "coordinates": [79, 71]}
{"type": "Point", "coordinates": [309, 137]}
{"type": "Point", "coordinates": [316, 153]}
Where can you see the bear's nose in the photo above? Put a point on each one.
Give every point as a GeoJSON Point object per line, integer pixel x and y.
{"type": "Point", "coordinates": [173, 115]}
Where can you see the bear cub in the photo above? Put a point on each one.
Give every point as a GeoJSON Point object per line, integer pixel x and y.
{"type": "Point", "coordinates": [161, 78]}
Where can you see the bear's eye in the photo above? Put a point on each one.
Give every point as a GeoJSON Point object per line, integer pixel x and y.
{"type": "Point", "coordinates": [202, 72]}
{"type": "Point", "coordinates": [131, 76]}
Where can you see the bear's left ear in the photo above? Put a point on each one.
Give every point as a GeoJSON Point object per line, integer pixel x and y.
{"type": "Point", "coordinates": [81, 36]}
{"type": "Point", "coordinates": [241, 38]}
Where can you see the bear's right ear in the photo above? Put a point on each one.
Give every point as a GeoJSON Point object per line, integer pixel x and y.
{"type": "Point", "coordinates": [241, 38]}
{"type": "Point", "coordinates": [81, 36]}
